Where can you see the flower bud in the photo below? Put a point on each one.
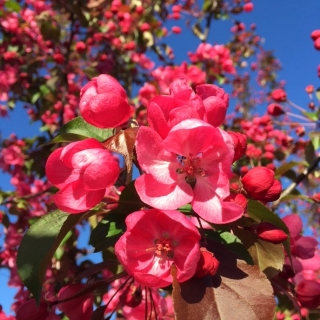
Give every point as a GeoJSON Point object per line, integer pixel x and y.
{"type": "Point", "coordinates": [103, 102]}
{"type": "Point", "coordinates": [275, 110]}
{"type": "Point", "coordinates": [207, 264]}
{"type": "Point", "coordinates": [240, 144]}
{"type": "Point", "coordinates": [279, 95]}
{"type": "Point", "coordinates": [259, 184]}
{"type": "Point", "coordinates": [315, 34]}
{"type": "Point", "coordinates": [271, 233]}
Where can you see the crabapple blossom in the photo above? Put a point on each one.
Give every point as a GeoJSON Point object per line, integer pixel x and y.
{"type": "Point", "coordinates": [192, 164]}
{"type": "Point", "coordinates": [209, 104]}
{"type": "Point", "coordinates": [301, 246]}
{"type": "Point", "coordinates": [308, 293]}
{"type": "Point", "coordinates": [78, 308]}
{"type": "Point", "coordinates": [104, 103]}
{"type": "Point", "coordinates": [155, 240]}
{"type": "Point", "coordinates": [271, 233]}
{"type": "Point", "coordinates": [82, 171]}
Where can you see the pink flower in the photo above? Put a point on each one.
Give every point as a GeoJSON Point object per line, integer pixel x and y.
{"type": "Point", "coordinates": [155, 240]}
{"type": "Point", "coordinates": [191, 164]}
{"type": "Point", "coordinates": [82, 171]}
{"type": "Point", "coordinates": [209, 104]}
{"type": "Point", "coordinates": [78, 308]}
{"type": "Point", "coordinates": [308, 293]}
{"type": "Point", "coordinates": [104, 103]}
{"type": "Point", "coordinates": [301, 246]}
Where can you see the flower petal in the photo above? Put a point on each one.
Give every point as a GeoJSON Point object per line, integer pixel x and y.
{"type": "Point", "coordinates": [163, 196]}
{"type": "Point", "coordinates": [190, 137]}
{"type": "Point", "coordinates": [73, 198]}
{"type": "Point", "coordinates": [58, 173]}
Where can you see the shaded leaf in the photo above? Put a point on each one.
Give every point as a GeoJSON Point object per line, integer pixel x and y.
{"type": "Point", "coordinates": [49, 31]}
{"type": "Point", "coordinates": [38, 246]}
{"type": "Point", "coordinates": [259, 212]}
{"type": "Point", "coordinates": [77, 129]}
{"type": "Point", "coordinates": [108, 231]}
{"type": "Point", "coordinates": [232, 242]}
{"type": "Point", "coordinates": [268, 256]}
{"type": "Point", "coordinates": [111, 227]}
{"type": "Point", "coordinates": [237, 291]}
{"type": "Point", "coordinates": [310, 153]}
{"type": "Point", "coordinates": [123, 143]}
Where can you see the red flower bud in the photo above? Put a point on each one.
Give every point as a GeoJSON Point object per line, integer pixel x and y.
{"type": "Point", "coordinates": [308, 293]}
{"type": "Point", "coordinates": [316, 197]}
{"type": "Point", "coordinates": [315, 34]}
{"type": "Point", "coordinates": [275, 110]}
{"type": "Point", "coordinates": [310, 88]}
{"type": "Point", "coordinates": [317, 44]}
{"type": "Point", "coordinates": [240, 144]}
{"type": "Point", "coordinates": [279, 95]}
{"type": "Point", "coordinates": [269, 232]}
{"type": "Point", "coordinates": [259, 184]}
{"type": "Point", "coordinates": [207, 264]}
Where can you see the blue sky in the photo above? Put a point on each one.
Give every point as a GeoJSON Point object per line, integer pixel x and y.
{"type": "Point", "coordinates": [285, 27]}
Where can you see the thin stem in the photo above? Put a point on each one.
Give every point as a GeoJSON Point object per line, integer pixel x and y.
{"type": "Point", "coordinates": [294, 184]}
{"type": "Point", "coordinates": [146, 304]}
{"type": "Point", "coordinates": [203, 236]}
{"type": "Point", "coordinates": [297, 116]}
{"type": "Point", "coordinates": [296, 106]}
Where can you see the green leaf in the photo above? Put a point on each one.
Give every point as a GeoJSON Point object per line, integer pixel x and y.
{"type": "Point", "coordinates": [50, 31]}
{"type": "Point", "coordinates": [311, 115]}
{"type": "Point", "coordinates": [35, 97]}
{"type": "Point", "coordinates": [108, 231]}
{"type": "Point", "coordinates": [12, 6]}
{"type": "Point", "coordinates": [78, 128]}
{"type": "Point", "coordinates": [259, 212]}
{"type": "Point", "coordinates": [110, 228]}
{"type": "Point", "coordinates": [267, 256]}
{"type": "Point", "coordinates": [232, 242]}
{"type": "Point", "coordinates": [315, 139]}
{"type": "Point", "coordinates": [287, 166]}
{"type": "Point", "coordinates": [38, 246]}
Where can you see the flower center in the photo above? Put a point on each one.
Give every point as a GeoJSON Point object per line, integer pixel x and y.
{"type": "Point", "coordinates": [164, 245]}
{"type": "Point", "coordinates": [191, 166]}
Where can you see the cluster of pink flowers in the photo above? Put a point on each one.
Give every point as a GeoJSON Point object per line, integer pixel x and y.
{"type": "Point", "coordinates": [184, 157]}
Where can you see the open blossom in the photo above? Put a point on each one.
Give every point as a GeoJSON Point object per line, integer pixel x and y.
{"type": "Point", "coordinates": [82, 171]}
{"type": "Point", "coordinates": [192, 164]}
{"type": "Point", "coordinates": [155, 240]}
{"type": "Point", "coordinates": [209, 104]}
{"type": "Point", "coordinates": [104, 103]}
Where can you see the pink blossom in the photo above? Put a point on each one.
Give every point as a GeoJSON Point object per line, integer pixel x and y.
{"type": "Point", "coordinates": [155, 240]}
{"type": "Point", "coordinates": [104, 102]}
{"type": "Point", "coordinates": [82, 171]}
{"type": "Point", "coordinates": [301, 246]}
{"type": "Point", "coordinates": [78, 308]}
{"type": "Point", "coordinates": [209, 104]}
{"type": "Point", "coordinates": [192, 164]}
